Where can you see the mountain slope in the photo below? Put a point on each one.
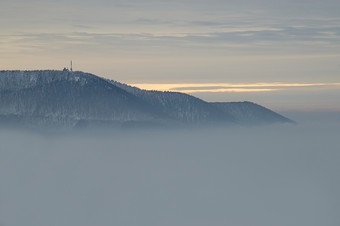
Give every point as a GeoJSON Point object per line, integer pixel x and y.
{"type": "Point", "coordinates": [250, 113]}
{"type": "Point", "coordinates": [179, 106]}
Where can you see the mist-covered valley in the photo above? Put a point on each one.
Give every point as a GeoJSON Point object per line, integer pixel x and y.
{"type": "Point", "coordinates": [282, 174]}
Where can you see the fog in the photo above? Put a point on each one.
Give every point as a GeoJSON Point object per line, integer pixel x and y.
{"type": "Point", "coordinates": [258, 176]}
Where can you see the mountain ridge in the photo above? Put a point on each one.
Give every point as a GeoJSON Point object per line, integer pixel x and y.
{"type": "Point", "coordinates": [78, 99]}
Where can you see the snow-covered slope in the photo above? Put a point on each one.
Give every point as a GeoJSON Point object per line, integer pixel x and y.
{"type": "Point", "coordinates": [64, 98]}
{"type": "Point", "coordinates": [76, 99]}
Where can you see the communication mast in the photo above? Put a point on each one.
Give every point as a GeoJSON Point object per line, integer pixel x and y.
{"type": "Point", "coordinates": [71, 66]}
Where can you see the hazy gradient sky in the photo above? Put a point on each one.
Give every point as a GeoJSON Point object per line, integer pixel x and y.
{"type": "Point", "coordinates": [229, 44]}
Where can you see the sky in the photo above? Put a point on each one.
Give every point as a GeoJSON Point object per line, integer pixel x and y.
{"type": "Point", "coordinates": [282, 54]}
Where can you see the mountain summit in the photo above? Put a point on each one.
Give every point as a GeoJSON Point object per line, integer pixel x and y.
{"type": "Point", "coordinates": [69, 99]}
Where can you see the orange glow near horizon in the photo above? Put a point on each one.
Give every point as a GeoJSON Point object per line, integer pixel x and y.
{"type": "Point", "coordinates": [236, 90]}
{"type": "Point", "coordinates": [226, 87]}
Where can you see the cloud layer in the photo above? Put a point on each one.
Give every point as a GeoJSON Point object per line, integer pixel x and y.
{"type": "Point", "coordinates": [263, 176]}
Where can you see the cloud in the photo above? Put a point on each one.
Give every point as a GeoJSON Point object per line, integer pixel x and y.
{"type": "Point", "coordinates": [228, 87]}
{"type": "Point", "coordinates": [245, 40]}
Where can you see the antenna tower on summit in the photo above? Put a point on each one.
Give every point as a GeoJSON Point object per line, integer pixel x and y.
{"type": "Point", "coordinates": [71, 66]}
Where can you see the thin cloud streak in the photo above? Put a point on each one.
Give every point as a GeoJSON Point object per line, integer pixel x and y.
{"type": "Point", "coordinates": [235, 90]}
{"type": "Point", "coordinates": [228, 87]}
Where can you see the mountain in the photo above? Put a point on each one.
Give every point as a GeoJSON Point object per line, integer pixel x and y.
{"type": "Point", "coordinates": [67, 99]}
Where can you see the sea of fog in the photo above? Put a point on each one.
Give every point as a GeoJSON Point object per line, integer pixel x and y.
{"type": "Point", "coordinates": [258, 176]}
